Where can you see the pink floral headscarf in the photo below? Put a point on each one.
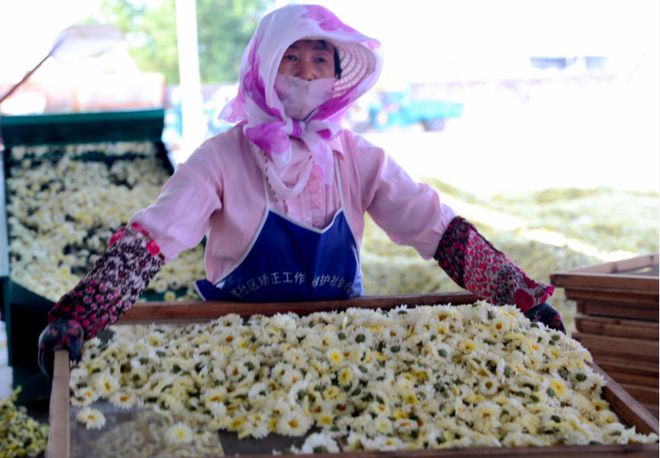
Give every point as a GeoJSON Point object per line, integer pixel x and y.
{"type": "Point", "coordinates": [257, 104]}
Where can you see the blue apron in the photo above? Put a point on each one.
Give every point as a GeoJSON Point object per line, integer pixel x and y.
{"type": "Point", "coordinates": [290, 262]}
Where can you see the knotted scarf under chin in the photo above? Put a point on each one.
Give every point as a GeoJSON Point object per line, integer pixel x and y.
{"type": "Point", "coordinates": [274, 138]}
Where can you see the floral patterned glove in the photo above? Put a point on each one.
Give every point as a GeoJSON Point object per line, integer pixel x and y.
{"type": "Point", "coordinates": [61, 333]}
{"type": "Point", "coordinates": [110, 288]}
{"type": "Point", "coordinates": [548, 315]}
{"type": "Point", "coordinates": [476, 265]}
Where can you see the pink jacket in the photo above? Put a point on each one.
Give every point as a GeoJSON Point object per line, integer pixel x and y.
{"type": "Point", "coordinates": [220, 192]}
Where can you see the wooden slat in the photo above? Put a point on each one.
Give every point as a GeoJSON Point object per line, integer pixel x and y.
{"type": "Point", "coordinates": [618, 274]}
{"type": "Point", "coordinates": [614, 297]}
{"type": "Point", "coordinates": [645, 350]}
{"type": "Point", "coordinates": [568, 451]}
{"type": "Point", "coordinates": [637, 283]}
{"type": "Point", "coordinates": [58, 415]}
{"type": "Point", "coordinates": [622, 377]}
{"type": "Point", "coordinates": [150, 311]}
{"type": "Point", "coordinates": [608, 363]}
{"type": "Point", "coordinates": [607, 310]}
{"type": "Point", "coordinates": [653, 408]}
{"type": "Point", "coordinates": [617, 327]}
{"type": "Point", "coordinates": [622, 266]}
{"type": "Point", "coordinates": [626, 407]}
{"type": "Point", "coordinates": [644, 394]}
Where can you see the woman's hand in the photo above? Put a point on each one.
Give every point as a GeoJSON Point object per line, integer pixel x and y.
{"type": "Point", "coordinates": [60, 334]}
{"type": "Point", "coordinates": [548, 315]}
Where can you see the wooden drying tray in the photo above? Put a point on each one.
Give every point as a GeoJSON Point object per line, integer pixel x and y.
{"type": "Point", "coordinates": [630, 411]}
{"type": "Point", "coordinates": [625, 289]}
{"type": "Point", "coordinates": [622, 347]}
{"type": "Point", "coordinates": [638, 274]}
{"type": "Point", "coordinates": [617, 327]}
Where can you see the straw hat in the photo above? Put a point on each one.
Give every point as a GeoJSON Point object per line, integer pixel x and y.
{"type": "Point", "coordinates": [356, 62]}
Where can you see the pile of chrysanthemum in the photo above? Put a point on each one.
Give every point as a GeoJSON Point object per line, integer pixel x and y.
{"type": "Point", "coordinates": [422, 377]}
{"type": "Point", "coordinates": [20, 435]}
{"type": "Point", "coordinates": [60, 217]}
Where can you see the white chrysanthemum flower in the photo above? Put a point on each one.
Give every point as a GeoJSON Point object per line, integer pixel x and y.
{"type": "Point", "coordinates": [228, 337]}
{"type": "Point", "coordinates": [291, 376]}
{"type": "Point", "coordinates": [296, 357]}
{"type": "Point", "coordinates": [217, 409]}
{"type": "Point", "coordinates": [638, 438]}
{"type": "Point", "coordinates": [353, 442]}
{"type": "Point", "coordinates": [319, 443]}
{"type": "Point", "coordinates": [214, 395]}
{"type": "Point", "coordinates": [94, 342]}
{"type": "Point", "coordinates": [179, 433]}
{"type": "Point", "coordinates": [86, 395]}
{"type": "Point", "coordinates": [156, 339]}
{"type": "Point", "coordinates": [105, 384]}
{"type": "Point", "coordinates": [232, 320]}
{"type": "Point", "coordinates": [520, 439]}
{"type": "Point", "coordinates": [488, 386]}
{"type": "Point", "coordinates": [345, 377]}
{"type": "Point", "coordinates": [379, 408]}
{"type": "Point", "coordinates": [332, 393]}
{"type": "Point", "coordinates": [278, 371]}
{"type": "Point", "coordinates": [382, 443]}
{"type": "Point", "coordinates": [123, 400]}
{"type": "Point", "coordinates": [587, 380]}
{"type": "Point", "coordinates": [77, 374]}
{"type": "Point", "coordinates": [467, 345]}
{"type": "Point", "coordinates": [91, 418]}
{"type": "Point", "coordinates": [297, 392]}
{"type": "Point", "coordinates": [405, 426]}
{"type": "Point", "coordinates": [173, 402]}
{"type": "Point", "coordinates": [281, 321]}
{"type": "Point", "coordinates": [329, 339]}
{"type": "Point", "coordinates": [257, 425]}
{"type": "Point", "coordinates": [323, 413]}
{"type": "Point", "coordinates": [293, 423]}
{"type": "Point", "coordinates": [258, 392]}
{"type": "Point", "coordinates": [335, 356]}
{"type": "Point", "coordinates": [486, 416]}
{"type": "Point", "coordinates": [557, 388]}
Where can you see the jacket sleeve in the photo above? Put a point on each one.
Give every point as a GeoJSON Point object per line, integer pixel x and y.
{"type": "Point", "coordinates": [411, 213]}
{"type": "Point", "coordinates": [179, 218]}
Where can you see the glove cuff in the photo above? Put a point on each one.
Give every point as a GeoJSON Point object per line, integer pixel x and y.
{"type": "Point", "coordinates": [114, 283]}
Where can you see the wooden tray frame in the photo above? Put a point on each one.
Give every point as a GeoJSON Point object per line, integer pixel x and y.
{"type": "Point", "coordinates": [630, 411]}
{"type": "Point", "coordinates": [614, 289]}
{"type": "Point", "coordinates": [617, 327]}
{"type": "Point", "coordinates": [631, 349]}
{"type": "Point", "coordinates": [612, 275]}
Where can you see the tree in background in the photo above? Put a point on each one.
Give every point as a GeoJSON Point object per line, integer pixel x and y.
{"type": "Point", "coordinates": [224, 27]}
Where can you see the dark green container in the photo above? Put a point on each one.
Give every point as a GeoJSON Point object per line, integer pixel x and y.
{"type": "Point", "coordinates": [25, 312]}
{"type": "Point", "coordinates": [65, 128]}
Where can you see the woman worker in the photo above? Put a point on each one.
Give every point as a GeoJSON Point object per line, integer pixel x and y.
{"type": "Point", "coordinates": [281, 197]}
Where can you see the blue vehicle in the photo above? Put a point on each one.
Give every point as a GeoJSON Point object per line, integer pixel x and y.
{"type": "Point", "coordinates": [400, 109]}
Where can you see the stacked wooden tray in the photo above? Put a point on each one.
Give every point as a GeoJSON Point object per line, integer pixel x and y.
{"type": "Point", "coordinates": [617, 320]}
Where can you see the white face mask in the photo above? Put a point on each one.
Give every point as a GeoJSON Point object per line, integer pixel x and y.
{"type": "Point", "coordinates": [300, 97]}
